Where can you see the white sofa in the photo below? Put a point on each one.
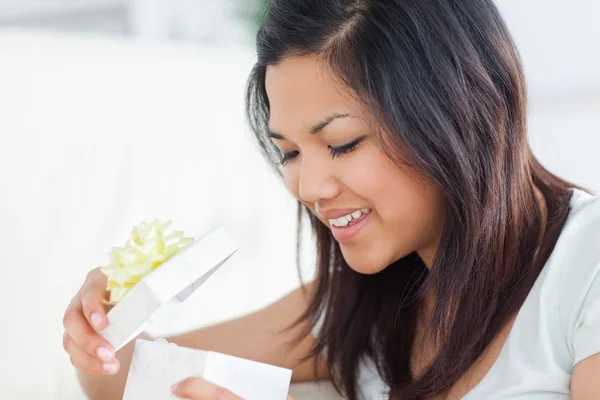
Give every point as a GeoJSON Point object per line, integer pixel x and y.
{"type": "Point", "coordinates": [101, 133]}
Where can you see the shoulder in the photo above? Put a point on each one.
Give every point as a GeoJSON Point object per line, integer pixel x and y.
{"type": "Point", "coordinates": [577, 252]}
{"type": "Point", "coordinates": [585, 210]}
{"type": "Point", "coordinates": [578, 248]}
{"type": "Point", "coordinates": [577, 256]}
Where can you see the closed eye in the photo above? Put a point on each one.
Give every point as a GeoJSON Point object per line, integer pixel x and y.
{"type": "Point", "coordinates": [345, 149]}
{"type": "Point", "coordinates": [335, 151]}
{"type": "Point", "coordinates": [289, 156]}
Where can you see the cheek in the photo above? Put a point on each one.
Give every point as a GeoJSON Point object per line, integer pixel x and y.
{"type": "Point", "coordinates": [372, 177]}
{"type": "Point", "coordinates": [398, 194]}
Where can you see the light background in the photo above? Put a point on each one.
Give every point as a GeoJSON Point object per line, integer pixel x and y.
{"type": "Point", "coordinates": [115, 112]}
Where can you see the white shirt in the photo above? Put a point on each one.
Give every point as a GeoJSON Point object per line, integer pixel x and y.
{"type": "Point", "coordinates": [557, 326]}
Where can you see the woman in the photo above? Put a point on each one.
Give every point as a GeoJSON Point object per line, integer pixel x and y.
{"type": "Point", "coordinates": [451, 264]}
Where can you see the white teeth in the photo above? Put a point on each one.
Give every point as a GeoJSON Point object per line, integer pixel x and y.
{"type": "Point", "coordinates": [345, 220]}
{"type": "Point", "coordinates": [339, 222]}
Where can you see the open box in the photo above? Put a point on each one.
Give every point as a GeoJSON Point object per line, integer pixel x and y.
{"type": "Point", "coordinates": [156, 365]}
{"type": "Point", "coordinates": [167, 286]}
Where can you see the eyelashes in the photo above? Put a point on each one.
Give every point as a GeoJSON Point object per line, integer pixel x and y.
{"type": "Point", "coordinates": [345, 149]}
{"type": "Point", "coordinates": [289, 156]}
{"type": "Point", "coordinates": [334, 151]}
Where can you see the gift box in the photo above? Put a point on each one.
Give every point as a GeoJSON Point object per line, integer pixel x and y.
{"type": "Point", "coordinates": [165, 287]}
{"type": "Point", "coordinates": [157, 365]}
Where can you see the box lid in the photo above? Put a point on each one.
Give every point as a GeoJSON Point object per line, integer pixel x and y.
{"type": "Point", "coordinates": [174, 281]}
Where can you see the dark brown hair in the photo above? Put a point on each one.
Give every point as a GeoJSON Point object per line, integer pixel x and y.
{"type": "Point", "coordinates": [445, 82]}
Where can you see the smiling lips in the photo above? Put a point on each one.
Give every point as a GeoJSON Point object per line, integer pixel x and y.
{"type": "Point", "coordinates": [349, 219]}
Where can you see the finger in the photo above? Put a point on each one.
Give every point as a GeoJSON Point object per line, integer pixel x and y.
{"type": "Point", "coordinates": [92, 295]}
{"type": "Point", "coordinates": [289, 397]}
{"type": "Point", "coordinates": [86, 338]}
{"type": "Point", "coordinates": [85, 362]}
{"type": "Point", "coordinates": [201, 389]}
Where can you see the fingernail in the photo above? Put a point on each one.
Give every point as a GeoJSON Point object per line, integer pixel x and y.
{"type": "Point", "coordinates": [96, 319]}
{"type": "Point", "coordinates": [104, 354]}
{"type": "Point", "coordinates": [174, 388]}
{"type": "Point", "coordinates": [111, 368]}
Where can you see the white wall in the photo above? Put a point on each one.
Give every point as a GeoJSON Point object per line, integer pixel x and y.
{"type": "Point", "coordinates": [217, 21]}
{"type": "Point", "coordinates": [559, 44]}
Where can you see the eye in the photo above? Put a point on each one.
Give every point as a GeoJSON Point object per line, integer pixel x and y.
{"type": "Point", "coordinates": [345, 149]}
{"type": "Point", "coordinates": [289, 156]}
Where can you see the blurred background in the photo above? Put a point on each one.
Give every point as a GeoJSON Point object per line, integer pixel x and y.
{"type": "Point", "coordinates": [121, 111]}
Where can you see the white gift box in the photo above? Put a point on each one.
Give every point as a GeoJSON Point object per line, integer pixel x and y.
{"type": "Point", "coordinates": [166, 286]}
{"type": "Point", "coordinates": [157, 365]}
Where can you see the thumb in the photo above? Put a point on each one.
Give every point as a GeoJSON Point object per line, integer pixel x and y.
{"type": "Point", "coordinates": [201, 389]}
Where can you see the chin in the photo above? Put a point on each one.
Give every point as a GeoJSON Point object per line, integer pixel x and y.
{"type": "Point", "coordinates": [369, 262]}
{"type": "Point", "coordinates": [363, 264]}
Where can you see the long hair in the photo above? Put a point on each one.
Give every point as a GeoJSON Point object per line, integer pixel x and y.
{"type": "Point", "coordinates": [445, 83]}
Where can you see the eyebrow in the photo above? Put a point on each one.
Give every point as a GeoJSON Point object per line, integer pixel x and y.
{"type": "Point", "coordinates": [317, 128]}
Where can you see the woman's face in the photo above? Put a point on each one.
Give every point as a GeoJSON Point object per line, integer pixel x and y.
{"type": "Point", "coordinates": [377, 211]}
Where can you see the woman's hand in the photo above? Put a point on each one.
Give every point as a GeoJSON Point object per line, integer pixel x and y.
{"type": "Point", "coordinates": [201, 389]}
{"type": "Point", "coordinates": [84, 317]}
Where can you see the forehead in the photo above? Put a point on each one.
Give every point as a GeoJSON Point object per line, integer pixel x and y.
{"type": "Point", "coordinates": [302, 91]}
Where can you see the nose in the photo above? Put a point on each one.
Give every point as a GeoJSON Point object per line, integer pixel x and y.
{"type": "Point", "coordinates": [317, 182]}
